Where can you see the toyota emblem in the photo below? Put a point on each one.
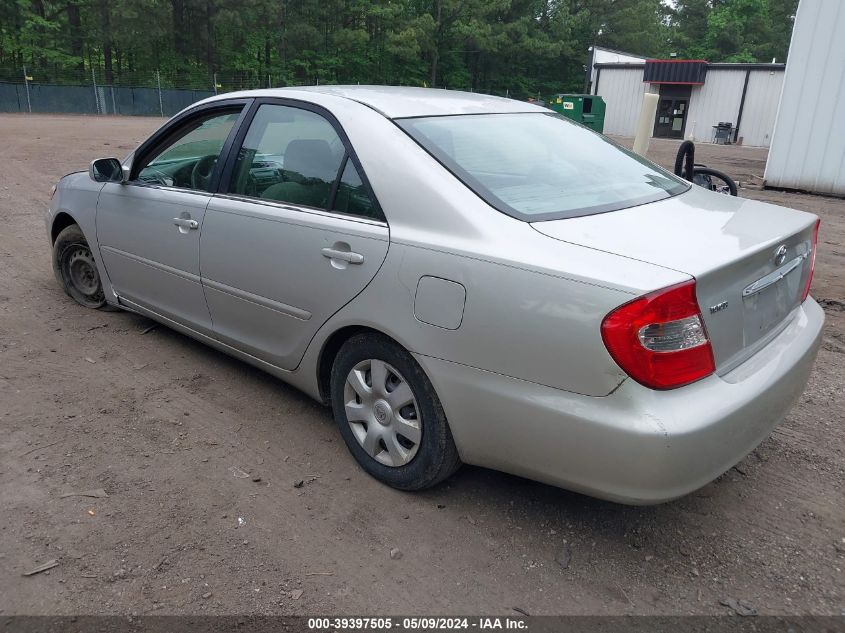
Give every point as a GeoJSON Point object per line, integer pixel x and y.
{"type": "Point", "coordinates": [780, 255]}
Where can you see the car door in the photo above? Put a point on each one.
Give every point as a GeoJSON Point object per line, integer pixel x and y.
{"type": "Point", "coordinates": [149, 228]}
{"type": "Point", "coordinates": [295, 234]}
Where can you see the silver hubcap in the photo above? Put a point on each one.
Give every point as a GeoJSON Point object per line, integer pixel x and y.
{"type": "Point", "coordinates": [83, 271]}
{"type": "Point", "coordinates": [382, 412]}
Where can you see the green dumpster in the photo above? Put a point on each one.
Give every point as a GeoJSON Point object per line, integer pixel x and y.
{"type": "Point", "coordinates": [586, 109]}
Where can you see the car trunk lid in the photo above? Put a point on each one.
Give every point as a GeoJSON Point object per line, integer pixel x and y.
{"type": "Point", "coordinates": [751, 260]}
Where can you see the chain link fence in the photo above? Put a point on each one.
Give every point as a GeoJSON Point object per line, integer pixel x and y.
{"type": "Point", "coordinates": [158, 93]}
{"type": "Point", "coordinates": [94, 91]}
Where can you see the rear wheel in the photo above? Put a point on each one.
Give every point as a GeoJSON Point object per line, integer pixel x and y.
{"type": "Point", "coordinates": [389, 415]}
{"type": "Point", "coordinates": [76, 268]}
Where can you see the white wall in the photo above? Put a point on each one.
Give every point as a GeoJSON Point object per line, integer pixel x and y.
{"type": "Point", "coordinates": [808, 143]}
{"type": "Point", "coordinates": [622, 90]}
{"type": "Point", "coordinates": [605, 56]}
{"type": "Point", "coordinates": [761, 105]}
{"type": "Point", "coordinates": [717, 100]}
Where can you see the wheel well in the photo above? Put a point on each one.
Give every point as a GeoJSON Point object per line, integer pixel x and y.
{"type": "Point", "coordinates": [60, 223]}
{"type": "Point", "coordinates": [330, 349]}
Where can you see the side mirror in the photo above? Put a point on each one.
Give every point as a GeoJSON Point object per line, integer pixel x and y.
{"type": "Point", "coordinates": [107, 170]}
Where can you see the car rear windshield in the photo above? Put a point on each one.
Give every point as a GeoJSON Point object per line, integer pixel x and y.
{"type": "Point", "coordinates": [538, 166]}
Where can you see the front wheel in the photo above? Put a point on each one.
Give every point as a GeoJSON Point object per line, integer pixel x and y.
{"type": "Point", "coordinates": [389, 415]}
{"type": "Point", "coordinates": [76, 269]}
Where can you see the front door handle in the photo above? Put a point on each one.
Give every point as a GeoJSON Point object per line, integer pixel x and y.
{"type": "Point", "coordinates": [344, 256]}
{"type": "Point", "coordinates": [185, 223]}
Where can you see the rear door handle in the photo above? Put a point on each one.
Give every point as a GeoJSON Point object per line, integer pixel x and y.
{"type": "Point", "coordinates": [185, 223]}
{"type": "Point", "coordinates": [346, 256]}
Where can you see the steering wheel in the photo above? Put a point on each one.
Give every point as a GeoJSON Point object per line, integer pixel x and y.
{"type": "Point", "coordinates": [156, 176]}
{"type": "Point", "coordinates": [201, 173]}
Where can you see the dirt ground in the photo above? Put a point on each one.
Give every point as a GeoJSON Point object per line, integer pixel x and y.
{"type": "Point", "coordinates": [165, 426]}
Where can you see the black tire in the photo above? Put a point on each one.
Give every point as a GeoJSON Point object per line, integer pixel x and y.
{"type": "Point", "coordinates": [76, 270]}
{"type": "Point", "coordinates": [685, 160]}
{"type": "Point", "coordinates": [708, 173]}
{"type": "Point", "coordinates": [436, 456]}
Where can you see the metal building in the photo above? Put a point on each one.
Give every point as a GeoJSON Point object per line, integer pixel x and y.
{"type": "Point", "coordinates": [808, 144]}
{"type": "Point", "coordinates": [695, 98]}
{"type": "Point", "coordinates": [601, 55]}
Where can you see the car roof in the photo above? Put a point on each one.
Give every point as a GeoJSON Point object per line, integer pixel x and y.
{"type": "Point", "coordinates": [397, 102]}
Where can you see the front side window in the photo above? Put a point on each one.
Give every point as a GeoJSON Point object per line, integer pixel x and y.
{"type": "Point", "coordinates": [187, 160]}
{"type": "Point", "coordinates": [538, 166]}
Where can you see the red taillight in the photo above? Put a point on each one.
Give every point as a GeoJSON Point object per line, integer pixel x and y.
{"type": "Point", "coordinates": [812, 262]}
{"type": "Point", "coordinates": [660, 339]}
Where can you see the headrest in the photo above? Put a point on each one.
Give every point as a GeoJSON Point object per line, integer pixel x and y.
{"type": "Point", "coordinates": [312, 158]}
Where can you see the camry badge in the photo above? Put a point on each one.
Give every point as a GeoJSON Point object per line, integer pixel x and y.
{"type": "Point", "coordinates": [718, 307]}
{"type": "Point", "coordinates": [780, 255]}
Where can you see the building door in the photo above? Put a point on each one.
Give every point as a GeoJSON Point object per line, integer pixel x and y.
{"type": "Point", "coordinates": [671, 120]}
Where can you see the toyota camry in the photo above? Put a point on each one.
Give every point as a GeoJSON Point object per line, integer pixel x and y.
{"type": "Point", "coordinates": [462, 278]}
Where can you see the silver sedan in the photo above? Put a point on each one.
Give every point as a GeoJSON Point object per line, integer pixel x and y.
{"type": "Point", "coordinates": [463, 278]}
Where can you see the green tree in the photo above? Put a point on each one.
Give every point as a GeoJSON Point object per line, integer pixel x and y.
{"type": "Point", "coordinates": [516, 47]}
{"type": "Point", "coordinates": [689, 25]}
{"type": "Point", "coordinates": [733, 30]}
{"type": "Point", "coordinates": [634, 25]}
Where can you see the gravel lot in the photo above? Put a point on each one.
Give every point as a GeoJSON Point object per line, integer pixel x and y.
{"type": "Point", "coordinates": [165, 426]}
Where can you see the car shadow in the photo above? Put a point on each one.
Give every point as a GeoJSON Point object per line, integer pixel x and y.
{"type": "Point", "coordinates": [479, 494]}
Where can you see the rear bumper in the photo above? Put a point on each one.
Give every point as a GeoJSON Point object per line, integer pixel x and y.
{"type": "Point", "coordinates": [635, 445]}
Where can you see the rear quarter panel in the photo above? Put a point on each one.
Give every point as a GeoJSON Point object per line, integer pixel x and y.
{"type": "Point", "coordinates": [533, 326]}
{"type": "Point", "coordinates": [534, 304]}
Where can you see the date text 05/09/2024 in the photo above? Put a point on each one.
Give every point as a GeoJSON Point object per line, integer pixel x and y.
{"type": "Point", "coordinates": [417, 623]}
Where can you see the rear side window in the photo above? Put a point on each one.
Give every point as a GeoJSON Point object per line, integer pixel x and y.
{"type": "Point", "coordinates": [352, 196]}
{"type": "Point", "coordinates": [537, 166]}
{"type": "Point", "coordinates": [296, 156]}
